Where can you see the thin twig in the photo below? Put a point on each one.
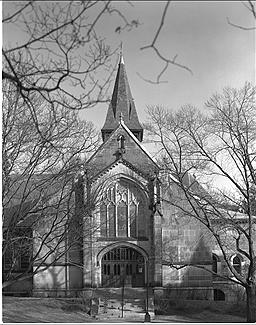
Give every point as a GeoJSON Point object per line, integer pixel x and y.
{"type": "Point", "coordinates": [239, 26]}
{"type": "Point", "coordinates": [156, 50]}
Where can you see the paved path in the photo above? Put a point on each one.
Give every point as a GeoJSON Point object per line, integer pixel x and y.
{"type": "Point", "coordinates": [204, 317]}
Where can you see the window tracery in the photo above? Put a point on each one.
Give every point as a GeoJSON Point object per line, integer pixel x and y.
{"type": "Point", "coordinates": [122, 205]}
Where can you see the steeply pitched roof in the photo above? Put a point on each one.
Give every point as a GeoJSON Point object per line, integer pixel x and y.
{"type": "Point", "coordinates": [122, 104]}
{"type": "Point", "coordinates": [135, 154]}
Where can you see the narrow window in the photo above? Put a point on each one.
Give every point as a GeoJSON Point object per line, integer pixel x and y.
{"type": "Point", "coordinates": [24, 262]}
{"type": "Point", "coordinates": [121, 141]}
{"type": "Point", "coordinates": [130, 110]}
{"type": "Point", "coordinates": [8, 261]}
{"type": "Point", "coordinates": [133, 228]}
{"type": "Point", "coordinates": [103, 220]}
{"type": "Point", "coordinates": [118, 254]}
{"type": "Point", "coordinates": [214, 263]}
{"type": "Point", "coordinates": [237, 264]}
{"type": "Point", "coordinates": [122, 254]}
{"type": "Point", "coordinates": [112, 220]}
{"type": "Point", "coordinates": [122, 219]}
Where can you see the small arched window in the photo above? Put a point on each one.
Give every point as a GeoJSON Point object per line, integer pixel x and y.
{"type": "Point", "coordinates": [214, 263]}
{"type": "Point", "coordinates": [237, 264]}
{"type": "Point", "coordinates": [121, 140]}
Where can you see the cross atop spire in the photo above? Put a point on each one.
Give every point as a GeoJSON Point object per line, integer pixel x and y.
{"type": "Point", "coordinates": [122, 104]}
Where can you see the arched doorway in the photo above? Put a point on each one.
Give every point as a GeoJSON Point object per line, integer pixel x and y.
{"type": "Point", "coordinates": [123, 266]}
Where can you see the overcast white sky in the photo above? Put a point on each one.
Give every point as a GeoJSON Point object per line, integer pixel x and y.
{"type": "Point", "coordinates": [219, 55]}
{"type": "Point", "coordinates": [198, 32]}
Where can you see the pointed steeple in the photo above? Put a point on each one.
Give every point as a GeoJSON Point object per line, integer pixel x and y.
{"type": "Point", "coordinates": [122, 103]}
{"type": "Point", "coordinates": [121, 59]}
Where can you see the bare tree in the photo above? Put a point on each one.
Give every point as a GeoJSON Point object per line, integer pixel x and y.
{"type": "Point", "coordinates": [60, 53]}
{"type": "Point", "coordinates": [215, 147]}
{"type": "Point", "coordinates": [39, 187]}
{"type": "Point", "coordinates": [59, 65]}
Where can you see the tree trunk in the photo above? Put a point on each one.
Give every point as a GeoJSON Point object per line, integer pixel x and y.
{"type": "Point", "coordinates": [251, 303]}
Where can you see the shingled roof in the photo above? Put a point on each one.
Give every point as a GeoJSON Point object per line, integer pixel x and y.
{"type": "Point", "coordinates": [122, 104]}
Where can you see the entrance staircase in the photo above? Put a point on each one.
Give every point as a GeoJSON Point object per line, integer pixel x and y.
{"type": "Point", "coordinates": [130, 303]}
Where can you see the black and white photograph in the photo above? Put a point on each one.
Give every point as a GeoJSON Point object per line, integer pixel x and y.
{"type": "Point", "coordinates": [128, 161]}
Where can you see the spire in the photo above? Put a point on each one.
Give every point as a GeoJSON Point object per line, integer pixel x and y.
{"type": "Point", "coordinates": [121, 60]}
{"type": "Point", "coordinates": [121, 118]}
{"type": "Point", "coordinates": [122, 104]}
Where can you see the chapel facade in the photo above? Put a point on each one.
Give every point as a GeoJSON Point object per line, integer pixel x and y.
{"type": "Point", "coordinates": [130, 234]}
{"type": "Point", "coordinates": [127, 228]}
{"type": "Point", "coordinates": [136, 232]}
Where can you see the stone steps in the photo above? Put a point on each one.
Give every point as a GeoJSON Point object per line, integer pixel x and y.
{"type": "Point", "coordinates": [107, 303]}
{"type": "Point", "coordinates": [132, 308]}
{"type": "Point", "coordinates": [128, 292]}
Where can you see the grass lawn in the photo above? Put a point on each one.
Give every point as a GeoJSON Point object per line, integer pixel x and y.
{"type": "Point", "coordinates": [57, 310]}
{"type": "Point", "coordinates": [45, 310]}
{"type": "Point", "coordinates": [201, 311]}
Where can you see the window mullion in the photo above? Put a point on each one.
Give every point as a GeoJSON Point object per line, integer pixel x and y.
{"type": "Point", "coordinates": [107, 221]}
{"type": "Point", "coordinates": [116, 217]}
{"type": "Point", "coordinates": [128, 213]}
{"type": "Point", "coordinates": [137, 220]}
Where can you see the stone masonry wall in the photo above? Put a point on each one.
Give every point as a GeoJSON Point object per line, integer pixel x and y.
{"type": "Point", "coordinates": [185, 241]}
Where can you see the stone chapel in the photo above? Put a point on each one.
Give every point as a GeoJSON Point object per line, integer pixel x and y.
{"type": "Point", "coordinates": [135, 234]}
{"type": "Point", "coordinates": [132, 233]}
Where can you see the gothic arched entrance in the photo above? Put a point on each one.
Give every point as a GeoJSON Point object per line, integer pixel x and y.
{"type": "Point", "coordinates": [123, 266]}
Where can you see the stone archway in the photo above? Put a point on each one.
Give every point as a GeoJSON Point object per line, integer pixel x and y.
{"type": "Point", "coordinates": [123, 265]}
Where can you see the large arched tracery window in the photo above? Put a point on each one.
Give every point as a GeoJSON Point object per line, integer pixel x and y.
{"type": "Point", "coordinates": [121, 210]}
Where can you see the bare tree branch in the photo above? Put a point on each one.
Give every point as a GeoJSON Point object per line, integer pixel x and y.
{"type": "Point", "coordinates": [250, 6]}
{"type": "Point", "coordinates": [220, 143]}
{"type": "Point", "coordinates": [239, 26]}
{"type": "Point", "coordinates": [166, 61]}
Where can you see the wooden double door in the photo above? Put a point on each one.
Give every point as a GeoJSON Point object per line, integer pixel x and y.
{"type": "Point", "coordinates": [123, 266]}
